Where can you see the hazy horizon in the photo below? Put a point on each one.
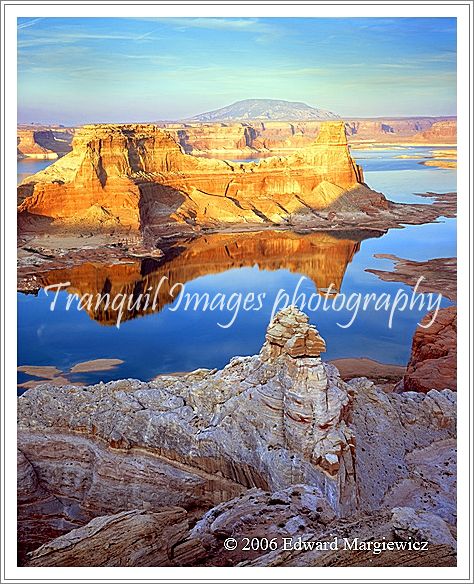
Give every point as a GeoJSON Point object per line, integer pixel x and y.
{"type": "Point", "coordinates": [74, 71]}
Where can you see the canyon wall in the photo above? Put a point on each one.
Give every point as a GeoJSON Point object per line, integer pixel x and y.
{"type": "Point", "coordinates": [255, 137]}
{"type": "Point", "coordinates": [443, 132]}
{"type": "Point", "coordinates": [138, 176]}
{"type": "Point", "coordinates": [251, 138]}
{"type": "Point", "coordinates": [46, 143]}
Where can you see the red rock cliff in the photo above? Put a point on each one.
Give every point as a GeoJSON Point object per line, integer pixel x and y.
{"type": "Point", "coordinates": [139, 176]}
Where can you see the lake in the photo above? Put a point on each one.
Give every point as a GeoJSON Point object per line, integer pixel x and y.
{"type": "Point", "coordinates": [29, 166]}
{"type": "Point", "coordinates": [173, 337]}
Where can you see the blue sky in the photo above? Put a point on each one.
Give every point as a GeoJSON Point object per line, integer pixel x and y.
{"type": "Point", "coordinates": [81, 70]}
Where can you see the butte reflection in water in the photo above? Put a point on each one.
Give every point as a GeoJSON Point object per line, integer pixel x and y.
{"type": "Point", "coordinates": [320, 256]}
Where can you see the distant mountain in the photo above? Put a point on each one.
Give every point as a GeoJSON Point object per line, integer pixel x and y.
{"type": "Point", "coordinates": [276, 110]}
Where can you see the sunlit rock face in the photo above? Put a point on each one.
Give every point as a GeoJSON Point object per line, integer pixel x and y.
{"type": "Point", "coordinates": [138, 176]}
{"type": "Point", "coordinates": [44, 143]}
{"type": "Point", "coordinates": [442, 132]}
{"type": "Point", "coordinates": [245, 139]}
{"type": "Point", "coordinates": [321, 257]}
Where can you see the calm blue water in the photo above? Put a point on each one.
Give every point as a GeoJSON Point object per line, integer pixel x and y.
{"type": "Point", "coordinates": [399, 179]}
{"type": "Point", "coordinates": [29, 166]}
{"type": "Point", "coordinates": [181, 340]}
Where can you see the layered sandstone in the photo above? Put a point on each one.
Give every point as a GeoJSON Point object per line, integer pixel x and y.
{"type": "Point", "coordinates": [318, 450]}
{"type": "Point", "coordinates": [442, 132]}
{"type": "Point", "coordinates": [245, 139]}
{"type": "Point", "coordinates": [256, 138]}
{"type": "Point", "coordinates": [139, 176]}
{"type": "Point", "coordinates": [130, 538]}
{"type": "Point", "coordinates": [299, 514]}
{"type": "Point", "coordinates": [43, 142]}
{"type": "Point", "coordinates": [249, 139]}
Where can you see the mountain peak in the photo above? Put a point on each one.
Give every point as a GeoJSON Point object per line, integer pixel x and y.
{"type": "Point", "coordinates": [277, 110]}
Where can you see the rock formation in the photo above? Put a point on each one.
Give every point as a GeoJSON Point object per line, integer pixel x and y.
{"type": "Point", "coordinates": [438, 275]}
{"type": "Point", "coordinates": [257, 138]}
{"type": "Point", "coordinates": [402, 130]}
{"type": "Point", "coordinates": [441, 132]}
{"type": "Point", "coordinates": [43, 142]}
{"type": "Point", "coordinates": [317, 453]}
{"type": "Point", "coordinates": [247, 139]}
{"type": "Point", "coordinates": [240, 140]}
{"type": "Point", "coordinates": [138, 176]}
{"type": "Point", "coordinates": [433, 360]}
{"type": "Point", "coordinates": [130, 538]}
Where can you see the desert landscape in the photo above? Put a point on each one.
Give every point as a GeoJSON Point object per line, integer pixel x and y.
{"type": "Point", "coordinates": [156, 434]}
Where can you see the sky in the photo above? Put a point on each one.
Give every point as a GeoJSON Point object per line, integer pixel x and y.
{"type": "Point", "coordinates": [73, 71]}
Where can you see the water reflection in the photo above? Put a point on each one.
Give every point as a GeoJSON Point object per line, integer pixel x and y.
{"type": "Point", "coordinates": [320, 256]}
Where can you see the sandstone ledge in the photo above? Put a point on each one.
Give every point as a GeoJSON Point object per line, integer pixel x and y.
{"type": "Point", "coordinates": [281, 422]}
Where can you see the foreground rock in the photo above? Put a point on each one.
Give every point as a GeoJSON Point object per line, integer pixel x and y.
{"type": "Point", "coordinates": [129, 538]}
{"type": "Point", "coordinates": [433, 360]}
{"type": "Point", "coordinates": [318, 450]}
{"type": "Point", "coordinates": [382, 374]}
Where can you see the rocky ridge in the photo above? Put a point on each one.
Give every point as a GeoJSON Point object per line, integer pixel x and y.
{"type": "Point", "coordinates": [139, 177]}
{"type": "Point", "coordinates": [265, 138]}
{"type": "Point", "coordinates": [274, 440]}
{"type": "Point", "coordinates": [43, 143]}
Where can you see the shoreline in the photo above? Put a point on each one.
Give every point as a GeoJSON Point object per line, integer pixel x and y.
{"type": "Point", "coordinates": [63, 245]}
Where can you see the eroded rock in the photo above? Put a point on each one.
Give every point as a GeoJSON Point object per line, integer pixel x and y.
{"type": "Point", "coordinates": [276, 421]}
{"type": "Point", "coordinates": [130, 538]}
{"type": "Point", "coordinates": [433, 360]}
{"type": "Point", "coordinates": [138, 176]}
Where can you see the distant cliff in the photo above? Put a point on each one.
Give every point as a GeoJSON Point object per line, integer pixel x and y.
{"type": "Point", "coordinates": [139, 176]}
{"type": "Point", "coordinates": [253, 138]}
{"type": "Point", "coordinates": [443, 132]}
{"type": "Point", "coordinates": [43, 143]}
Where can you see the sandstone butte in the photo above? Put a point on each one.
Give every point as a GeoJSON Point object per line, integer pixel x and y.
{"type": "Point", "coordinates": [249, 138]}
{"type": "Point", "coordinates": [138, 176]}
{"type": "Point", "coordinates": [273, 445]}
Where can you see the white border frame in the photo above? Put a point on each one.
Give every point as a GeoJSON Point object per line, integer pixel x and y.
{"type": "Point", "coordinates": [13, 10]}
